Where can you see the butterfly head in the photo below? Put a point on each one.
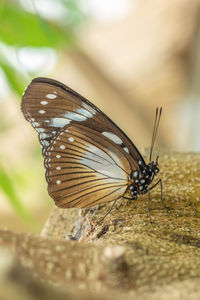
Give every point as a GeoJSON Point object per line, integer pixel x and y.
{"type": "Point", "coordinates": [152, 167]}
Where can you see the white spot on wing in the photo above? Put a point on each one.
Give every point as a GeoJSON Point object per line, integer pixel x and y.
{"type": "Point", "coordinates": [58, 156]}
{"type": "Point", "coordinates": [89, 108]}
{"type": "Point", "coordinates": [44, 135]}
{"type": "Point", "coordinates": [39, 130]}
{"type": "Point", "coordinates": [62, 147]}
{"type": "Point", "coordinates": [44, 143]}
{"type": "Point", "coordinates": [126, 149]}
{"type": "Point", "coordinates": [85, 112]}
{"type": "Point", "coordinates": [51, 96]}
{"type": "Point", "coordinates": [44, 102]}
{"type": "Point", "coordinates": [113, 137]}
{"type": "Point", "coordinates": [74, 116]}
{"type": "Point", "coordinates": [71, 139]}
{"type": "Point", "coordinates": [35, 124]}
{"type": "Point", "coordinates": [58, 182]}
{"type": "Point", "coordinates": [42, 111]}
{"type": "Point", "coordinates": [58, 168]}
{"type": "Point", "coordinates": [59, 122]}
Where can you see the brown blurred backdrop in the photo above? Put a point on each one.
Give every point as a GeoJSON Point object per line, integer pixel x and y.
{"type": "Point", "coordinates": [127, 59]}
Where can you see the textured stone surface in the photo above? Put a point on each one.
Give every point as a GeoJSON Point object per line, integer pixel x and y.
{"type": "Point", "coordinates": [126, 252]}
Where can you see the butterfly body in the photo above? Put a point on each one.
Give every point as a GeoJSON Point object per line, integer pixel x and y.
{"type": "Point", "coordinates": [88, 159]}
{"type": "Point", "coordinates": [140, 180]}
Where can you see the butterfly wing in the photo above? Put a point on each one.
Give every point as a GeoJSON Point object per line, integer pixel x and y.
{"type": "Point", "coordinates": [88, 159]}
{"type": "Point", "coordinates": [84, 169]}
{"type": "Point", "coordinates": [50, 105]}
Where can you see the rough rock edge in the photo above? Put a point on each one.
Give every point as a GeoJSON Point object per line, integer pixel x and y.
{"type": "Point", "coordinates": [126, 253]}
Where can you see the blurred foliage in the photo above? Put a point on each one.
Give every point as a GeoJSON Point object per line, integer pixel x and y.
{"type": "Point", "coordinates": [22, 27]}
{"type": "Point", "coordinates": [7, 187]}
{"type": "Point", "coordinates": [14, 77]}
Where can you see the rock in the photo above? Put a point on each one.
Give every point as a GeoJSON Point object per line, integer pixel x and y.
{"type": "Point", "coordinates": [125, 255]}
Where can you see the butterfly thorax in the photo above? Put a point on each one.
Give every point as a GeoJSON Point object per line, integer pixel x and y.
{"type": "Point", "coordinates": [139, 180]}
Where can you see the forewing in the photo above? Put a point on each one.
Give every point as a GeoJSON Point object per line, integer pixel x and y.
{"type": "Point", "coordinates": [50, 105]}
{"type": "Point", "coordinates": [84, 169]}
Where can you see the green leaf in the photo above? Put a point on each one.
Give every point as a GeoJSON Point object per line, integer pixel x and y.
{"type": "Point", "coordinates": [21, 28]}
{"type": "Point", "coordinates": [8, 189]}
{"type": "Point", "coordinates": [14, 77]}
{"type": "Point", "coordinates": [74, 13]}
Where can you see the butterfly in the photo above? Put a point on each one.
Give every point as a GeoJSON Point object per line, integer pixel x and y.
{"type": "Point", "coordinates": [88, 159]}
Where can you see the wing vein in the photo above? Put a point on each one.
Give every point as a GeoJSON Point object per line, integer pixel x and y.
{"type": "Point", "coordinates": [98, 179]}
{"type": "Point", "coordinates": [91, 203]}
{"type": "Point", "coordinates": [83, 148]}
{"type": "Point", "coordinates": [86, 140]}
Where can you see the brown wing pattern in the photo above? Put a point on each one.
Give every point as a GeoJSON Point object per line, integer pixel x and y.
{"type": "Point", "coordinates": [83, 168]}
{"type": "Point", "coordinates": [50, 105]}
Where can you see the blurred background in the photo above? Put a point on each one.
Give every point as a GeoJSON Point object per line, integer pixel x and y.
{"type": "Point", "coordinates": [126, 56]}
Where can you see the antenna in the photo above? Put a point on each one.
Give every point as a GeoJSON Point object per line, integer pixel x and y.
{"type": "Point", "coordinates": [155, 129]}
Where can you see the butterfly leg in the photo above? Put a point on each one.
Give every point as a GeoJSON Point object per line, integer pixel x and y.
{"type": "Point", "coordinates": [109, 210]}
{"type": "Point", "coordinates": [161, 194]}
{"type": "Point", "coordinates": [149, 207]}
{"type": "Point", "coordinates": [128, 198]}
